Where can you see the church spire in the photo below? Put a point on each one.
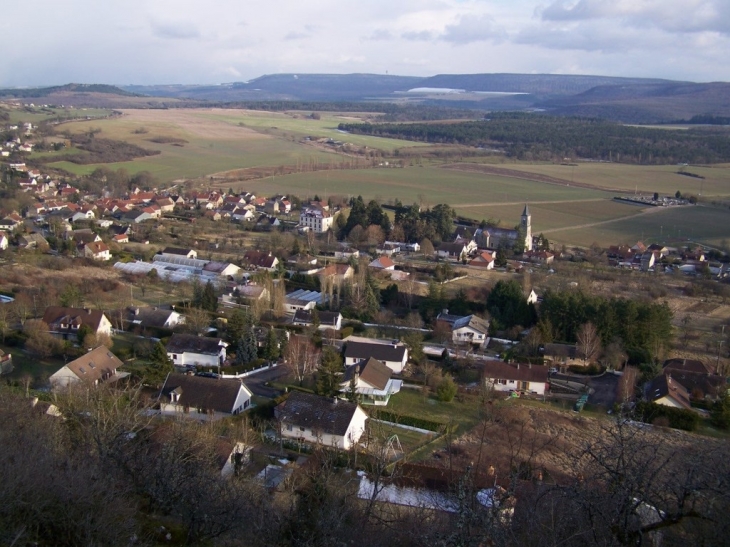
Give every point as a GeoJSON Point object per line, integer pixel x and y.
{"type": "Point", "coordinates": [526, 212]}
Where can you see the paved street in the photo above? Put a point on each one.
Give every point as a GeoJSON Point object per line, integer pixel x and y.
{"type": "Point", "coordinates": [255, 382]}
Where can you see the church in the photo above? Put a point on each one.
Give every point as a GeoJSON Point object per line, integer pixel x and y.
{"type": "Point", "coordinates": [492, 237]}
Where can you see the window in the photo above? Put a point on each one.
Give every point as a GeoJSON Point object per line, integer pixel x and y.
{"type": "Point", "coordinates": [301, 428]}
{"type": "Point", "coordinates": [502, 382]}
{"type": "Point", "coordinates": [289, 428]}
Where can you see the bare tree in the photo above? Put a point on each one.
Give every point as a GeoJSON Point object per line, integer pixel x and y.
{"type": "Point", "coordinates": [588, 342]}
{"type": "Point", "coordinates": [197, 321]}
{"type": "Point", "coordinates": [301, 358]}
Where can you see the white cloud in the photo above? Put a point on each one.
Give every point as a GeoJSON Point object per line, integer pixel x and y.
{"type": "Point", "coordinates": [186, 41]}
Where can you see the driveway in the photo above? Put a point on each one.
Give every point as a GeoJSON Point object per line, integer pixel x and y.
{"type": "Point", "coordinates": [256, 382]}
{"type": "Point", "coordinates": [604, 389]}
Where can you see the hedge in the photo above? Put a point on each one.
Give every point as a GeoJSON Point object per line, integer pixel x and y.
{"type": "Point", "coordinates": [678, 418]}
{"type": "Point", "coordinates": [238, 369]}
{"type": "Point", "coordinates": [404, 419]}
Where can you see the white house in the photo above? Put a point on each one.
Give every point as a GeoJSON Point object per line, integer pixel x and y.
{"type": "Point", "coordinates": [98, 365]}
{"type": "Point", "coordinates": [188, 349]}
{"type": "Point", "coordinates": [3, 241]}
{"type": "Point", "coordinates": [319, 420]}
{"type": "Point", "coordinates": [316, 220]}
{"type": "Point", "coordinates": [391, 352]}
{"type": "Point", "coordinates": [65, 322]}
{"type": "Point", "coordinates": [97, 250]}
{"type": "Point", "coordinates": [382, 263]}
{"type": "Point", "coordinates": [532, 379]}
{"type": "Point", "coordinates": [327, 319]}
{"type": "Point", "coordinates": [154, 317]}
{"type": "Point", "coordinates": [373, 382]}
{"type": "Point", "coordinates": [198, 397]}
{"type": "Point", "coordinates": [468, 329]}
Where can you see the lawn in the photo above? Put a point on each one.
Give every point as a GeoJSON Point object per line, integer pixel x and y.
{"type": "Point", "coordinates": [24, 365]}
{"type": "Point", "coordinates": [409, 440]}
{"type": "Point", "coordinates": [465, 414]}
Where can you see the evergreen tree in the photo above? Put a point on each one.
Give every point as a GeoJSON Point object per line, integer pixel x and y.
{"type": "Point", "coordinates": [160, 366]}
{"type": "Point", "coordinates": [246, 350]}
{"type": "Point", "coordinates": [352, 395]}
{"type": "Point", "coordinates": [208, 299]}
{"type": "Point", "coordinates": [329, 372]}
{"type": "Point", "coordinates": [271, 346]}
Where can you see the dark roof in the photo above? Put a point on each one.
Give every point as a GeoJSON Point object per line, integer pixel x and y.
{"type": "Point", "coordinates": [55, 315]}
{"type": "Point", "coordinates": [202, 392]}
{"type": "Point", "coordinates": [257, 258]}
{"type": "Point", "coordinates": [665, 385]}
{"type": "Point", "coordinates": [372, 371]}
{"type": "Point", "coordinates": [332, 416]}
{"type": "Point", "coordinates": [522, 373]}
{"type": "Point", "coordinates": [180, 343]}
{"type": "Point", "coordinates": [175, 251]}
{"type": "Point", "coordinates": [451, 248]}
{"type": "Point", "coordinates": [325, 317]}
{"type": "Point", "coordinates": [687, 365]}
{"type": "Point", "coordinates": [382, 352]}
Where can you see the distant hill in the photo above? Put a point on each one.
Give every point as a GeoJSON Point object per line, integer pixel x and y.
{"type": "Point", "coordinates": [38, 92]}
{"type": "Point", "coordinates": [645, 103]}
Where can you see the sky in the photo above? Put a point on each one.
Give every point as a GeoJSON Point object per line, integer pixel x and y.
{"type": "Point", "coordinates": [148, 42]}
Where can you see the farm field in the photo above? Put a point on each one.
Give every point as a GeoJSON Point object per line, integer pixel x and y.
{"type": "Point", "coordinates": [427, 185]}
{"type": "Point", "coordinates": [645, 179]}
{"type": "Point", "coordinates": [673, 226]}
{"type": "Point", "coordinates": [207, 141]}
{"type": "Point", "coordinates": [37, 115]}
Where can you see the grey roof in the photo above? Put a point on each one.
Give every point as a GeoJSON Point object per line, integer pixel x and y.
{"type": "Point", "coordinates": [180, 343]}
{"type": "Point", "coordinates": [325, 317]}
{"type": "Point", "coordinates": [382, 352]}
{"type": "Point", "coordinates": [526, 211]}
{"type": "Point", "coordinates": [522, 373]}
{"type": "Point", "coordinates": [331, 416]}
{"type": "Point", "coordinates": [148, 317]}
{"type": "Point", "coordinates": [201, 392]}
{"type": "Point", "coordinates": [372, 371]}
{"type": "Point", "coordinates": [460, 321]}
{"type": "Point", "coordinates": [175, 251]}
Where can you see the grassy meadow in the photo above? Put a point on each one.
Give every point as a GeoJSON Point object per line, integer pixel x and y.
{"type": "Point", "coordinates": [36, 115]}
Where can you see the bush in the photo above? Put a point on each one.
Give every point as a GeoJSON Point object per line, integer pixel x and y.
{"type": "Point", "coordinates": [591, 370]}
{"type": "Point", "coordinates": [446, 390]}
{"type": "Point", "coordinates": [347, 331]}
{"type": "Point", "coordinates": [677, 418]}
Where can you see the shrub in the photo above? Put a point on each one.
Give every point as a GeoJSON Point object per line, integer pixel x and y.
{"type": "Point", "coordinates": [446, 390]}
{"type": "Point", "coordinates": [404, 419]}
{"type": "Point", "coordinates": [677, 418]}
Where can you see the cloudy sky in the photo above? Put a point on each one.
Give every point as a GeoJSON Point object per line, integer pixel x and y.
{"type": "Point", "coordinates": [212, 41]}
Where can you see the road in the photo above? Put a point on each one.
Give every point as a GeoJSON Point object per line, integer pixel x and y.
{"type": "Point", "coordinates": [255, 382]}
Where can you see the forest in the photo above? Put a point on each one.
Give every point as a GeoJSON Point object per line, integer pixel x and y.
{"type": "Point", "coordinates": [541, 137]}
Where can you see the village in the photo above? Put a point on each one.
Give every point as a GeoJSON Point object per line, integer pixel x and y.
{"type": "Point", "coordinates": [302, 326]}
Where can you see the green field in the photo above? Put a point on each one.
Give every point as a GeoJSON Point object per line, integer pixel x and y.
{"type": "Point", "coordinates": [645, 179]}
{"type": "Point", "coordinates": [37, 115]}
{"type": "Point", "coordinates": [675, 226]}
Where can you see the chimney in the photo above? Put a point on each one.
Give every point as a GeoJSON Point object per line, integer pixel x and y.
{"type": "Point", "coordinates": [445, 311]}
{"type": "Point", "coordinates": [334, 400]}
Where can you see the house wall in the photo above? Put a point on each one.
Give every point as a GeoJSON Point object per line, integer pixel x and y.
{"type": "Point", "coordinates": [306, 434]}
{"type": "Point", "coordinates": [468, 335]}
{"type": "Point", "coordinates": [537, 388]}
{"type": "Point", "coordinates": [172, 409]}
{"type": "Point", "coordinates": [63, 378]}
{"type": "Point", "coordinates": [669, 401]}
{"type": "Point", "coordinates": [189, 358]}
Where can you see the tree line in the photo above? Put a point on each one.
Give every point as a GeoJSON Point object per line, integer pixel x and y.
{"type": "Point", "coordinates": [534, 136]}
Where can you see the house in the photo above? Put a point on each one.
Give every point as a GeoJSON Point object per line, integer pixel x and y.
{"type": "Point", "coordinates": [32, 241]}
{"type": "Point", "coordinates": [153, 317]}
{"type": "Point", "coordinates": [121, 238]}
{"type": "Point", "coordinates": [272, 207]}
{"type": "Point", "coordinates": [177, 252]}
{"type": "Point", "coordinates": [391, 352]}
{"type": "Point", "coordinates": [347, 252]}
{"type": "Point", "coordinates": [531, 297]}
{"type": "Point", "coordinates": [199, 397]}
{"type": "Point", "coordinates": [700, 380]}
{"type": "Point", "coordinates": [6, 363]}
{"type": "Point", "coordinates": [3, 241]}
{"type": "Point", "coordinates": [321, 420]}
{"type": "Point", "coordinates": [532, 379]}
{"type": "Point", "coordinates": [188, 349]}
{"type": "Point", "coordinates": [326, 319]}
{"type": "Point", "coordinates": [453, 251]}
{"type": "Point", "coordinates": [336, 274]}
{"type": "Point", "coordinates": [562, 355]}
{"type": "Point", "coordinates": [302, 299]}
{"type": "Point", "coordinates": [97, 366]}
{"type": "Point", "coordinates": [316, 220]}
{"type": "Point", "coordinates": [539, 257]}
{"type": "Point", "coordinates": [382, 263]}
{"type": "Point", "coordinates": [64, 322]}
{"type": "Point", "coordinates": [664, 390]}
{"type": "Point", "coordinates": [97, 250]}
{"type": "Point", "coordinates": [373, 382]}
{"type": "Point", "coordinates": [468, 329]}
{"type": "Point", "coordinates": [483, 260]}
{"type": "Point", "coordinates": [260, 260]}
{"type": "Point", "coordinates": [166, 205]}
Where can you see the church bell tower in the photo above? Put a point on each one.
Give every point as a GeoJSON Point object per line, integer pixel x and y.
{"type": "Point", "coordinates": [526, 224]}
